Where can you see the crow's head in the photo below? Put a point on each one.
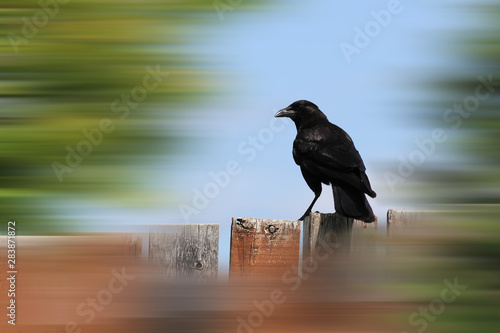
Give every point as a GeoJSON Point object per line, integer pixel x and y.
{"type": "Point", "coordinates": [302, 113]}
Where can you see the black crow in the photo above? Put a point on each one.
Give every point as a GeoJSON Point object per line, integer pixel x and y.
{"type": "Point", "coordinates": [326, 154]}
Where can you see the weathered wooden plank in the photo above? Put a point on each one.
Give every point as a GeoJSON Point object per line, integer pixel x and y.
{"type": "Point", "coordinates": [131, 245]}
{"type": "Point", "coordinates": [311, 229]}
{"type": "Point", "coordinates": [332, 230]}
{"type": "Point", "coordinates": [263, 248]}
{"type": "Point", "coordinates": [185, 251]}
{"type": "Point", "coordinates": [361, 231]}
{"type": "Point", "coordinates": [91, 243]}
{"type": "Point", "coordinates": [136, 246]}
{"type": "Point", "coordinates": [57, 273]}
{"type": "Point", "coordinates": [400, 221]}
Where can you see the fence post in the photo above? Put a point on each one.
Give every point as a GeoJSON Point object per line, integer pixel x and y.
{"type": "Point", "coordinates": [333, 230]}
{"type": "Point", "coordinates": [401, 221]}
{"type": "Point", "coordinates": [344, 234]}
{"type": "Point", "coordinates": [132, 245]}
{"type": "Point", "coordinates": [361, 243]}
{"type": "Point", "coordinates": [263, 248]}
{"type": "Point", "coordinates": [185, 251]}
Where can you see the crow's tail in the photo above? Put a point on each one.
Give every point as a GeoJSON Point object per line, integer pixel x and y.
{"type": "Point", "coordinates": [350, 202]}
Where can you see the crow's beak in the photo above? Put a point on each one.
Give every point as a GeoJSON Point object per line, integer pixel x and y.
{"type": "Point", "coordinates": [286, 112]}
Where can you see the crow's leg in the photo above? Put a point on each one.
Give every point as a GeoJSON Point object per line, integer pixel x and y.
{"type": "Point", "coordinates": [314, 184]}
{"type": "Point", "coordinates": [308, 211]}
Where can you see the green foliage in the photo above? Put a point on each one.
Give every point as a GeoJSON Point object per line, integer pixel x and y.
{"type": "Point", "coordinates": [473, 174]}
{"type": "Point", "coordinates": [63, 66]}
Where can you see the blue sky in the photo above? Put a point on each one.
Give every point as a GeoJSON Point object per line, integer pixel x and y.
{"type": "Point", "coordinates": [286, 55]}
{"type": "Point", "coordinates": [294, 53]}
{"type": "Point", "coordinates": [274, 58]}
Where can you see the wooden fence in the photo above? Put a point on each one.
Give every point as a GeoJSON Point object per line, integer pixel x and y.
{"type": "Point", "coordinates": [258, 247]}
{"type": "Point", "coordinates": [185, 251]}
{"type": "Point", "coordinates": [67, 283]}
{"type": "Point", "coordinates": [265, 247]}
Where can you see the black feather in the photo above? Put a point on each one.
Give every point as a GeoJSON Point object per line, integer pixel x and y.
{"type": "Point", "coordinates": [326, 154]}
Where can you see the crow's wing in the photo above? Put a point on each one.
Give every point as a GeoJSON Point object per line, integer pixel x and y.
{"type": "Point", "coordinates": [328, 152]}
{"type": "Point", "coordinates": [329, 146]}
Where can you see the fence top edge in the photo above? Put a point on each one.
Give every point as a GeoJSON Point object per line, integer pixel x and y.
{"type": "Point", "coordinates": [236, 218]}
{"type": "Point", "coordinates": [182, 224]}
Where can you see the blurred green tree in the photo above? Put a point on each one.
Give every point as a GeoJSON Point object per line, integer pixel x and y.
{"type": "Point", "coordinates": [468, 109]}
{"type": "Point", "coordinates": [464, 178]}
{"type": "Point", "coordinates": [88, 92]}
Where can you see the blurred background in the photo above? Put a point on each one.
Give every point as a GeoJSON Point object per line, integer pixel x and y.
{"type": "Point", "coordinates": [118, 115]}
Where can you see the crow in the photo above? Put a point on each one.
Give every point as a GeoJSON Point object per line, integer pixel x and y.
{"type": "Point", "coordinates": [326, 154]}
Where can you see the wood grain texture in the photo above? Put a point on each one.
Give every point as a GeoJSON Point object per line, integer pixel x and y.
{"type": "Point", "coordinates": [185, 251]}
{"type": "Point", "coordinates": [263, 248]}
{"type": "Point", "coordinates": [311, 229]}
{"type": "Point", "coordinates": [131, 244]}
{"type": "Point", "coordinates": [331, 230]}
{"type": "Point", "coordinates": [57, 273]}
{"type": "Point", "coordinates": [362, 241]}
{"type": "Point", "coordinates": [401, 221]}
